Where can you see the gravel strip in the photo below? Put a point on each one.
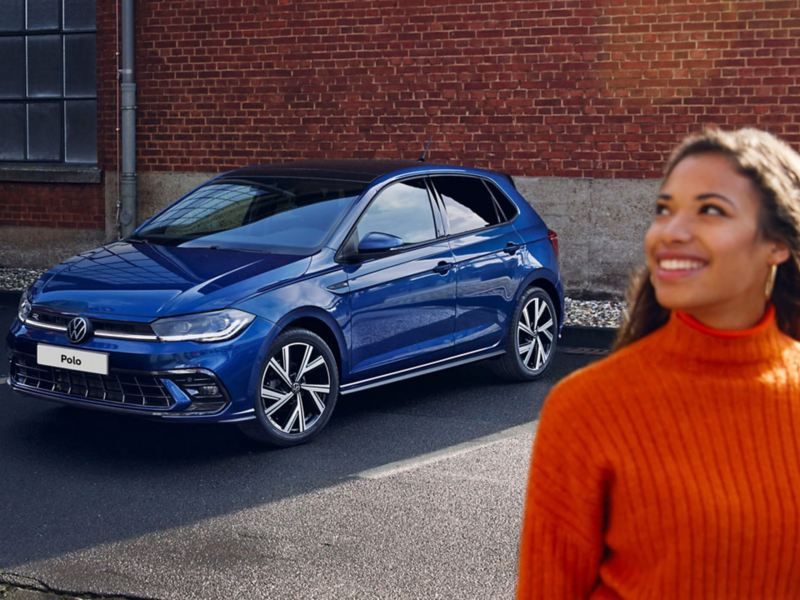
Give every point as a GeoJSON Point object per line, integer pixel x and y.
{"type": "Point", "coordinates": [17, 279]}
{"type": "Point", "coordinates": [593, 313]}
{"type": "Point", "coordinates": [580, 313]}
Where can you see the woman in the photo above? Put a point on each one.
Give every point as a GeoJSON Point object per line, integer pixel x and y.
{"type": "Point", "coordinates": [671, 469]}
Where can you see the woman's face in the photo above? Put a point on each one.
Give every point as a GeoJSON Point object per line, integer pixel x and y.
{"type": "Point", "coordinates": [704, 249]}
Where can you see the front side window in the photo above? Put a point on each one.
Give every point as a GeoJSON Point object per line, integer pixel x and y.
{"type": "Point", "coordinates": [468, 202]}
{"type": "Point", "coordinates": [277, 214]}
{"type": "Point", "coordinates": [404, 210]}
{"type": "Point", "coordinates": [48, 89]}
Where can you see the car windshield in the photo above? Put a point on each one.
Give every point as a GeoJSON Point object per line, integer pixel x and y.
{"type": "Point", "coordinates": [276, 214]}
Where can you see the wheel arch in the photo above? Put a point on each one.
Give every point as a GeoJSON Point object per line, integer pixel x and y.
{"type": "Point", "coordinates": [540, 281]}
{"type": "Point", "coordinates": [320, 324]}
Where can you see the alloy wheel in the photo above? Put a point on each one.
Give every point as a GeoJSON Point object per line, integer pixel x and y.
{"type": "Point", "coordinates": [535, 334]}
{"type": "Point", "coordinates": [295, 388]}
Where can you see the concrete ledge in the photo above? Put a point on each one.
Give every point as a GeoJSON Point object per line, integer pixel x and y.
{"type": "Point", "coordinates": [600, 225]}
{"type": "Point", "coordinates": [43, 247]}
{"type": "Point", "coordinates": [47, 173]}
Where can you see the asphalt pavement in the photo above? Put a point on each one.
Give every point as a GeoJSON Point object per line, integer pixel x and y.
{"type": "Point", "coordinates": [413, 491]}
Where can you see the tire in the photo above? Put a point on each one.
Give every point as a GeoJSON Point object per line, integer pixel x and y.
{"type": "Point", "coordinates": [298, 389]}
{"type": "Point", "coordinates": [532, 338]}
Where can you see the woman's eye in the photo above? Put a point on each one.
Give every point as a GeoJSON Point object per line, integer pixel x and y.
{"type": "Point", "coordinates": [662, 209]}
{"type": "Point", "coordinates": [711, 209]}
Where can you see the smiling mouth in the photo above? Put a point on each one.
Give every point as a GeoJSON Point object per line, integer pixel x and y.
{"type": "Point", "coordinates": [677, 264]}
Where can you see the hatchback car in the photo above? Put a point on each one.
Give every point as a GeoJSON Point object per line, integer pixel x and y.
{"type": "Point", "coordinates": [266, 293]}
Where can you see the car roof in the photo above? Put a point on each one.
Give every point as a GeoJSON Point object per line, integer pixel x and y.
{"type": "Point", "coordinates": [351, 170]}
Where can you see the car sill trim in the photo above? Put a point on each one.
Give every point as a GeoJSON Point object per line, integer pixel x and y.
{"type": "Point", "coordinates": [437, 365]}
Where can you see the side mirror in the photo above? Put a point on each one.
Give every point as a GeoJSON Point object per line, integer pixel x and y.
{"type": "Point", "coordinates": [375, 242]}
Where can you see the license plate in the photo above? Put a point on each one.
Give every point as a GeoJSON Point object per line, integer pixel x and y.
{"type": "Point", "coordinates": [69, 358]}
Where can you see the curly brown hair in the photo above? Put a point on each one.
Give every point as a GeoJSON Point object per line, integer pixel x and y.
{"type": "Point", "coordinates": [774, 168]}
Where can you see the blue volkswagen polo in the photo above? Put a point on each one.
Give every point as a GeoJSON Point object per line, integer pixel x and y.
{"type": "Point", "coordinates": [263, 295]}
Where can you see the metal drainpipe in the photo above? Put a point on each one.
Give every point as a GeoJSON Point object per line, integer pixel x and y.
{"type": "Point", "coordinates": [127, 217]}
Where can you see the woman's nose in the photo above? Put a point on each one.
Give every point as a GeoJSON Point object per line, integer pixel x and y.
{"type": "Point", "coordinates": [677, 228]}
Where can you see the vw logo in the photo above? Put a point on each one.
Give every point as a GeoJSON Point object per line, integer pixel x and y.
{"type": "Point", "coordinates": [77, 330]}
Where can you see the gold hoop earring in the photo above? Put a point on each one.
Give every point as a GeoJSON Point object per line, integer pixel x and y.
{"type": "Point", "coordinates": [773, 273]}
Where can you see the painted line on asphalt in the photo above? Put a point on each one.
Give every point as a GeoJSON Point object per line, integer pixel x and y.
{"type": "Point", "coordinates": [409, 464]}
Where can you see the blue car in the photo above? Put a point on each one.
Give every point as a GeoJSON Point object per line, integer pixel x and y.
{"type": "Point", "coordinates": [266, 293]}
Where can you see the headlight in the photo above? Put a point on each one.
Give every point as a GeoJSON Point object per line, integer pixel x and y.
{"type": "Point", "coordinates": [203, 327]}
{"type": "Point", "coordinates": [24, 308]}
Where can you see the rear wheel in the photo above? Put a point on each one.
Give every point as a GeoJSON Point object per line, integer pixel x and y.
{"type": "Point", "coordinates": [298, 390]}
{"type": "Point", "coordinates": [532, 337]}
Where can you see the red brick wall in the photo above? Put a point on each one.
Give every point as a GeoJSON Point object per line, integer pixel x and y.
{"type": "Point", "coordinates": [580, 88]}
{"type": "Point", "coordinates": [577, 88]}
{"type": "Point", "coordinates": [50, 205]}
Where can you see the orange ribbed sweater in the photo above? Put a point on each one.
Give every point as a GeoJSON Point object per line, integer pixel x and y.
{"type": "Point", "coordinates": [670, 469]}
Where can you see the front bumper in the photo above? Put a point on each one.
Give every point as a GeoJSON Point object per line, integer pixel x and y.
{"type": "Point", "coordinates": [215, 382]}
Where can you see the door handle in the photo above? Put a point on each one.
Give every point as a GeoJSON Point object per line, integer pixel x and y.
{"type": "Point", "coordinates": [511, 248]}
{"type": "Point", "coordinates": [443, 267]}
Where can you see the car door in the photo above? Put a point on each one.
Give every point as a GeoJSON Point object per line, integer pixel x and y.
{"type": "Point", "coordinates": [485, 246]}
{"type": "Point", "coordinates": [402, 301]}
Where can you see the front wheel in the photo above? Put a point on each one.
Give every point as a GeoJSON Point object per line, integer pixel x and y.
{"type": "Point", "coordinates": [298, 390]}
{"type": "Point", "coordinates": [532, 337]}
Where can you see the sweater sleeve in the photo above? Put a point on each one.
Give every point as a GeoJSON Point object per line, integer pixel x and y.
{"type": "Point", "coordinates": [561, 544]}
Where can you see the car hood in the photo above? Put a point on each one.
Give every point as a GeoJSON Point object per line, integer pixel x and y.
{"type": "Point", "coordinates": [144, 281]}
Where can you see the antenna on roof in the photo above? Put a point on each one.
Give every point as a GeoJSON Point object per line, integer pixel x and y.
{"type": "Point", "coordinates": [424, 155]}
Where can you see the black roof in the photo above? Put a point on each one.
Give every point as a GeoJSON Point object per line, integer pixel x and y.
{"type": "Point", "coordinates": [350, 170]}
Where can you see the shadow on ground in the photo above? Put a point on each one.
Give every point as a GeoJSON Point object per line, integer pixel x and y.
{"type": "Point", "coordinates": [71, 479]}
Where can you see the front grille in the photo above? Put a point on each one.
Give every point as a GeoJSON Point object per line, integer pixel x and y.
{"type": "Point", "coordinates": [129, 389]}
{"type": "Point", "coordinates": [50, 319]}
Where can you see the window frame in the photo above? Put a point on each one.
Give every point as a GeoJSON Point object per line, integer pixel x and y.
{"type": "Point", "coordinates": [348, 251]}
{"type": "Point", "coordinates": [53, 170]}
{"type": "Point", "coordinates": [488, 185]}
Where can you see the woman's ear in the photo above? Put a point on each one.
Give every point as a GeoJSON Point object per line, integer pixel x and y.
{"type": "Point", "coordinates": [779, 253]}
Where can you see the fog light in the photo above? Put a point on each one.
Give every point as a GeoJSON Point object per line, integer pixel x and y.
{"type": "Point", "coordinates": [209, 390]}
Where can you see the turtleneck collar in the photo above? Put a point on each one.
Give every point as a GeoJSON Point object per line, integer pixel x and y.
{"type": "Point", "coordinates": [684, 337]}
{"type": "Point", "coordinates": [763, 323]}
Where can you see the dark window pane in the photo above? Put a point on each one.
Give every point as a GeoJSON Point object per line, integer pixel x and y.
{"type": "Point", "coordinates": [12, 124]}
{"type": "Point", "coordinates": [12, 67]}
{"type": "Point", "coordinates": [12, 15]}
{"type": "Point", "coordinates": [81, 131]}
{"type": "Point", "coordinates": [468, 203]}
{"type": "Point", "coordinates": [43, 14]}
{"type": "Point", "coordinates": [44, 131]}
{"type": "Point", "coordinates": [79, 14]}
{"type": "Point", "coordinates": [507, 208]}
{"type": "Point", "coordinates": [44, 66]}
{"type": "Point", "coordinates": [402, 209]}
{"type": "Point", "coordinates": [79, 63]}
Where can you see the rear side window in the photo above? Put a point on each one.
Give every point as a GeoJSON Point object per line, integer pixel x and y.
{"type": "Point", "coordinates": [508, 209]}
{"type": "Point", "coordinates": [468, 202]}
